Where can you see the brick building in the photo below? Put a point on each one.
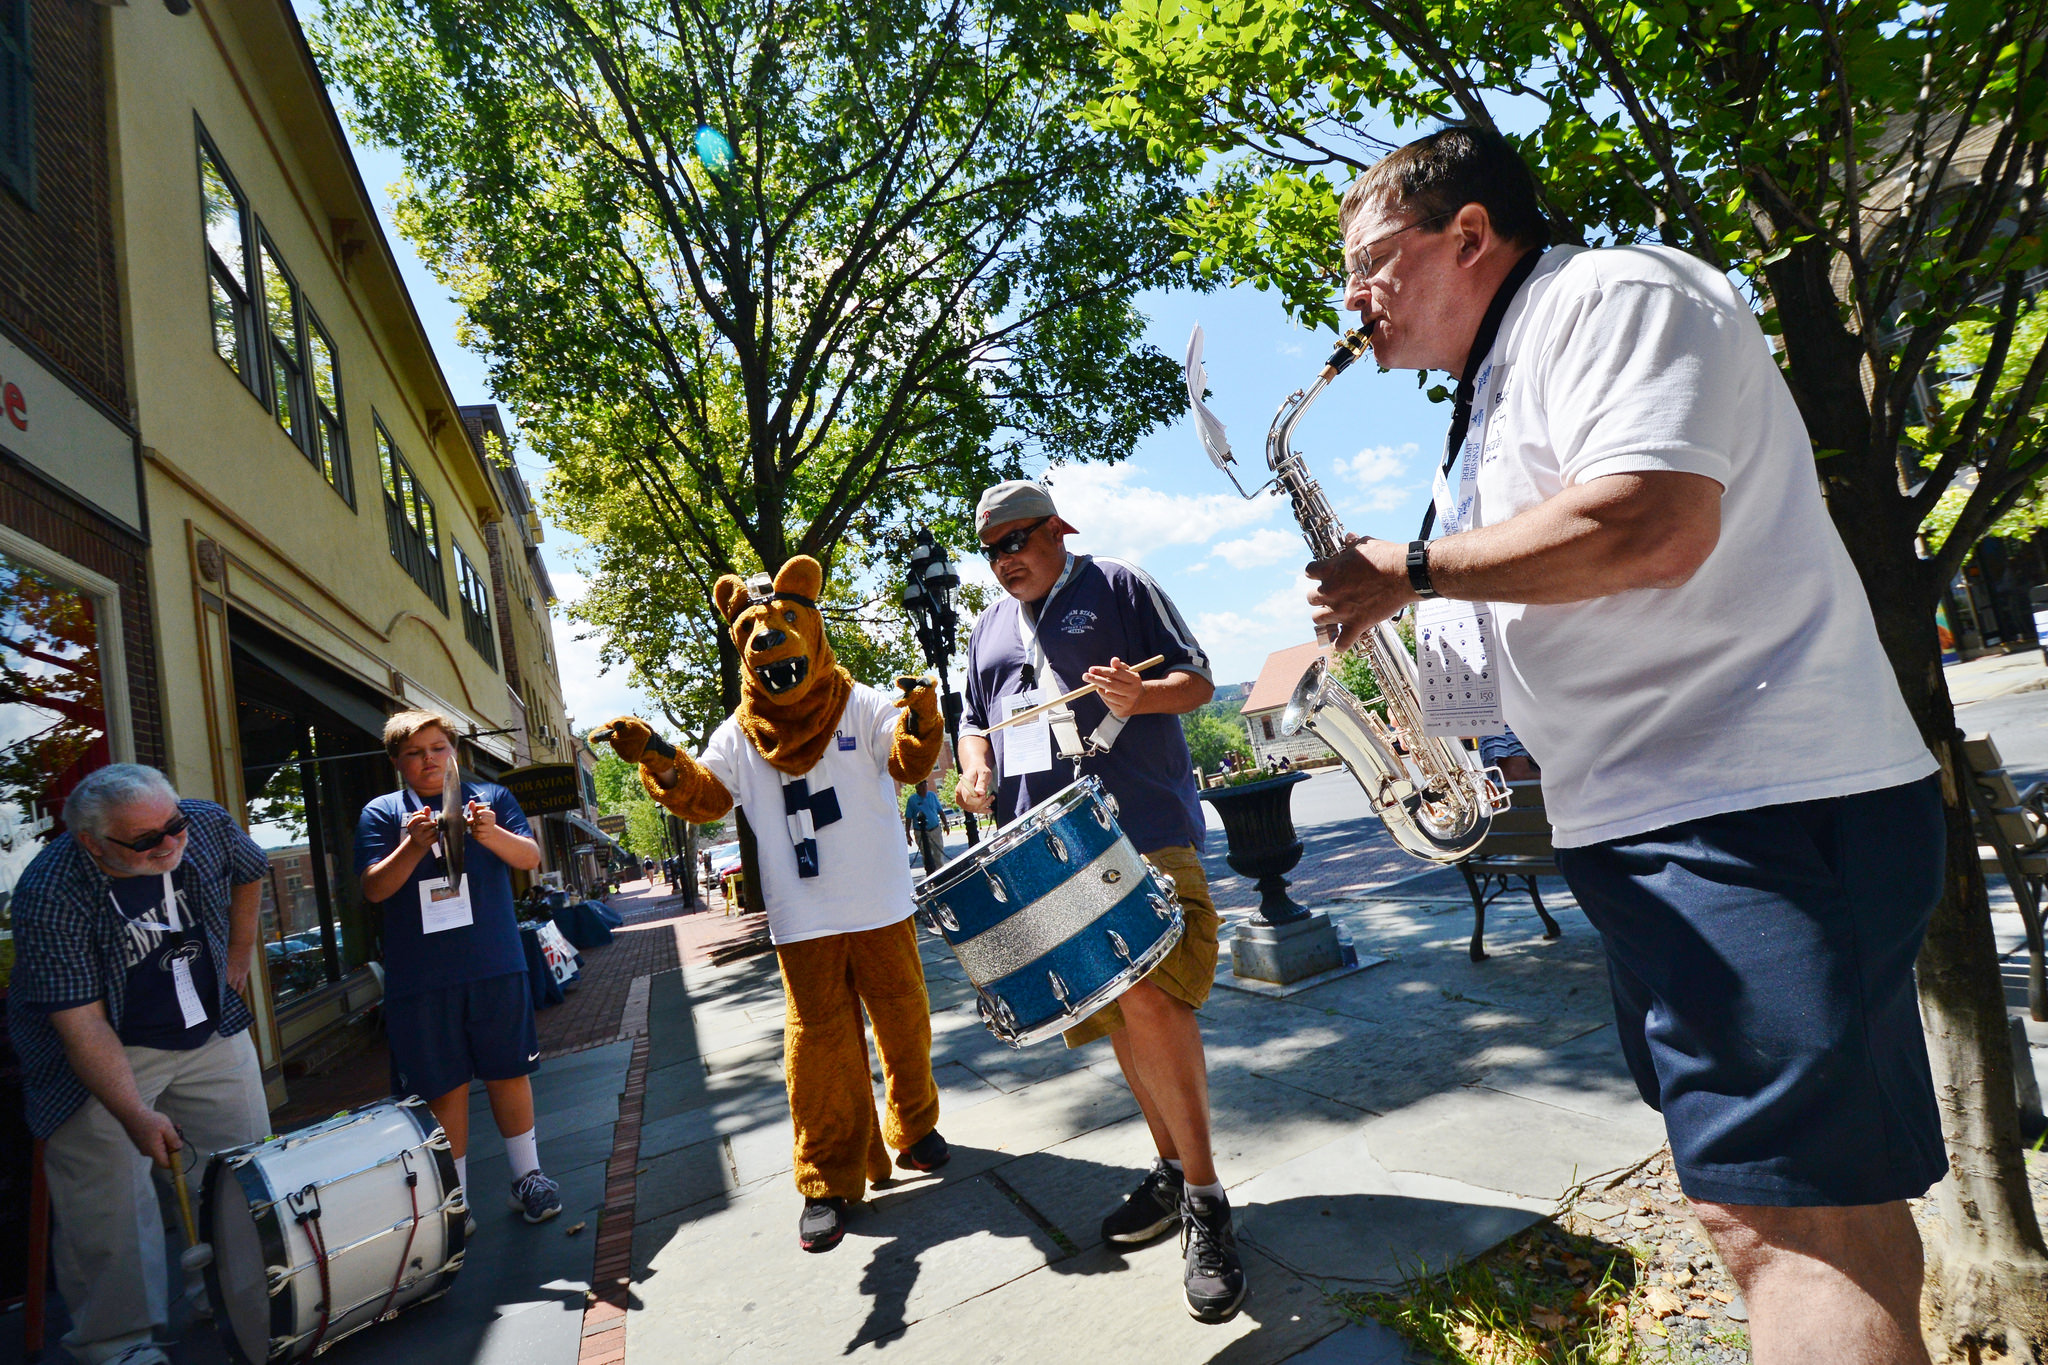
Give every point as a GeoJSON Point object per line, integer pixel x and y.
{"type": "Point", "coordinates": [75, 604]}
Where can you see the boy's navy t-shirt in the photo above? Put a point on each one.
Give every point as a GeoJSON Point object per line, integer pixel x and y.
{"type": "Point", "coordinates": [488, 946]}
{"type": "Point", "coordinates": [152, 1016]}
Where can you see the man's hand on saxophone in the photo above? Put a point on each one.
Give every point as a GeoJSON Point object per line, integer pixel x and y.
{"type": "Point", "coordinates": [1360, 586]}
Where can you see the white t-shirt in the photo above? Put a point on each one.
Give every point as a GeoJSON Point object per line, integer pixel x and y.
{"type": "Point", "coordinates": [863, 879]}
{"type": "Point", "coordinates": [1760, 680]}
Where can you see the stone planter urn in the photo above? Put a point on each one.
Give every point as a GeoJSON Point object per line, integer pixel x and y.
{"type": "Point", "coordinates": [1283, 942]}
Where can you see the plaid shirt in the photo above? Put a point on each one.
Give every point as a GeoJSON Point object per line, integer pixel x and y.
{"type": "Point", "coordinates": [68, 946]}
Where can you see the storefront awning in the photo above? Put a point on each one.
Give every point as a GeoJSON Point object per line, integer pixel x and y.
{"type": "Point", "coordinates": [346, 703]}
{"type": "Point", "coordinates": [593, 831]}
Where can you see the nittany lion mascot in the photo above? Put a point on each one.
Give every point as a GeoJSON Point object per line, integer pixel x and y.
{"type": "Point", "coordinates": [809, 756]}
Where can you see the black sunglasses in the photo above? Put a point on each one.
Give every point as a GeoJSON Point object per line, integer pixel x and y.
{"type": "Point", "coordinates": [150, 841]}
{"type": "Point", "coordinates": [1013, 542]}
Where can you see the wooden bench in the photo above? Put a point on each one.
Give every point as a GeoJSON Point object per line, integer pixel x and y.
{"type": "Point", "coordinates": [1516, 848]}
{"type": "Point", "coordinates": [2012, 842]}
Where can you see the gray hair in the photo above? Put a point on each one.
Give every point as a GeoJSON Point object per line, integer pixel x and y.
{"type": "Point", "coordinates": [109, 789]}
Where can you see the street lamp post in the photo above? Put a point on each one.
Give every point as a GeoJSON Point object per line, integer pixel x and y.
{"type": "Point", "coordinates": [928, 597]}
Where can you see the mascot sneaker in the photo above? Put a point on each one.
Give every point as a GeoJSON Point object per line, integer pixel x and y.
{"type": "Point", "coordinates": [1150, 1209]}
{"type": "Point", "coordinates": [928, 1153]}
{"type": "Point", "coordinates": [1210, 1271]}
{"type": "Point", "coordinates": [822, 1225]}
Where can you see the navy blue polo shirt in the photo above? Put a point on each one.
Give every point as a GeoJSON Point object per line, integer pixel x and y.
{"type": "Point", "coordinates": [488, 946]}
{"type": "Point", "coordinates": [1101, 608]}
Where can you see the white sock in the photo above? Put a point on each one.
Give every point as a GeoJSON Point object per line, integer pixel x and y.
{"type": "Point", "coordinates": [1175, 1164]}
{"type": "Point", "coordinates": [462, 1170]}
{"type": "Point", "coordinates": [1208, 1191]}
{"type": "Point", "coordinates": [522, 1153]}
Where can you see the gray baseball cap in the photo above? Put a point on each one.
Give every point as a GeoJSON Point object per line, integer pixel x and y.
{"type": "Point", "coordinates": [1014, 500]}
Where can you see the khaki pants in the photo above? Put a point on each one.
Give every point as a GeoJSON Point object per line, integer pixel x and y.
{"type": "Point", "coordinates": [109, 1239]}
{"type": "Point", "coordinates": [1189, 968]}
{"type": "Point", "coordinates": [826, 983]}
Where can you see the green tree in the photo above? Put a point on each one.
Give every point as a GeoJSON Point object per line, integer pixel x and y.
{"type": "Point", "coordinates": [1210, 737]}
{"type": "Point", "coordinates": [794, 274]}
{"type": "Point", "coordinates": [1873, 174]}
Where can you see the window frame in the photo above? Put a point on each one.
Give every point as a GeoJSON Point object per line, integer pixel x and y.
{"type": "Point", "coordinates": [295, 393]}
{"type": "Point", "coordinates": [329, 452]}
{"type": "Point", "coordinates": [218, 274]}
{"type": "Point", "coordinates": [410, 523]}
{"type": "Point", "coordinates": [475, 591]}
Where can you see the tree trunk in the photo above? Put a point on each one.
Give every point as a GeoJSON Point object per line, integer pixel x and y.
{"type": "Point", "coordinates": [1988, 1274]}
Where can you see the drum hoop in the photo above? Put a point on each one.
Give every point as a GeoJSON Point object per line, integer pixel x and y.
{"type": "Point", "coordinates": [255, 1188]}
{"type": "Point", "coordinates": [1109, 991]}
{"type": "Point", "coordinates": [1033, 822]}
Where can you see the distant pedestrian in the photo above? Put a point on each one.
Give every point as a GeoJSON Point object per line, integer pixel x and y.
{"type": "Point", "coordinates": [924, 817]}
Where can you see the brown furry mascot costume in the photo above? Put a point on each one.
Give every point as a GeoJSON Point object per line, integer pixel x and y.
{"type": "Point", "coordinates": [809, 756]}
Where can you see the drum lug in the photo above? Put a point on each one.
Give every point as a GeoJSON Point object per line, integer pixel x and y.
{"type": "Point", "coordinates": [1161, 906]}
{"type": "Point", "coordinates": [1119, 947]}
{"type": "Point", "coordinates": [995, 885]}
{"type": "Point", "coordinates": [946, 918]}
{"type": "Point", "coordinates": [1056, 844]}
{"type": "Point", "coordinates": [997, 1014]}
{"type": "Point", "coordinates": [1105, 811]}
{"type": "Point", "coordinates": [1059, 990]}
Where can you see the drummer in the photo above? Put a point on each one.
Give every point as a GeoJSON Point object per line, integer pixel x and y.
{"type": "Point", "coordinates": [1074, 619]}
{"type": "Point", "coordinates": [457, 1005]}
{"type": "Point", "coordinates": [134, 931]}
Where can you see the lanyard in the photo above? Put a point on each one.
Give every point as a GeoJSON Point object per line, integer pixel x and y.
{"type": "Point", "coordinates": [1482, 342]}
{"type": "Point", "coordinates": [1027, 631]}
{"type": "Point", "coordinates": [171, 925]}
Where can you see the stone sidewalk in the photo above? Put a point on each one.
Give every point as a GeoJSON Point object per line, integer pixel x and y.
{"type": "Point", "coordinates": [1413, 1112]}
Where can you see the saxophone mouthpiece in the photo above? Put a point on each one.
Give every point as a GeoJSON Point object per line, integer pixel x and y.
{"type": "Point", "coordinates": [1349, 347]}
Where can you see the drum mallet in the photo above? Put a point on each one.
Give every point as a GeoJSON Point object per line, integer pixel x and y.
{"type": "Point", "coordinates": [197, 1255]}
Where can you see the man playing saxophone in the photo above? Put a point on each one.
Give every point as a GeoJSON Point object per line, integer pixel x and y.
{"type": "Point", "coordinates": [1741, 803]}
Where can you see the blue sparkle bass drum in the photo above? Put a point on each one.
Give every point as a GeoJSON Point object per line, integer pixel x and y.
{"type": "Point", "coordinates": [1054, 916]}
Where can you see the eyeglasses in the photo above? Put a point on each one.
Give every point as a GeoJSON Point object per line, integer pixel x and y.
{"type": "Point", "coordinates": [150, 841]}
{"type": "Point", "coordinates": [1359, 275]}
{"type": "Point", "coordinates": [1014, 542]}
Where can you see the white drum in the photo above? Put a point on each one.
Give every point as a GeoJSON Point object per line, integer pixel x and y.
{"type": "Point", "coordinates": [325, 1230]}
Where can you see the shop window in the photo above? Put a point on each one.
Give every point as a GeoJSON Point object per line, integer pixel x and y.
{"type": "Point", "coordinates": [329, 449]}
{"type": "Point", "coordinates": [60, 692]}
{"type": "Point", "coordinates": [476, 608]}
{"type": "Point", "coordinates": [226, 215]}
{"type": "Point", "coordinates": [17, 103]}
{"type": "Point", "coordinates": [409, 521]}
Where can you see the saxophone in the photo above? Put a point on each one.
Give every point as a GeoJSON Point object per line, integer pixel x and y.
{"type": "Point", "coordinates": [1432, 794]}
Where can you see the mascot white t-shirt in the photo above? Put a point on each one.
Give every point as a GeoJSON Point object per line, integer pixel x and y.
{"type": "Point", "coordinates": [861, 882]}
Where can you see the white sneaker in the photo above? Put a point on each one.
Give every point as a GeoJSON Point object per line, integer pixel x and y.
{"type": "Point", "coordinates": [141, 1353]}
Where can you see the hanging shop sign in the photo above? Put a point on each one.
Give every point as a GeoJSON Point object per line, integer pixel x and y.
{"type": "Point", "coordinates": [544, 788]}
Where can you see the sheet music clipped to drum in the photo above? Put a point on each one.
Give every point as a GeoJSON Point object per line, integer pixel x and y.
{"type": "Point", "coordinates": [1457, 658]}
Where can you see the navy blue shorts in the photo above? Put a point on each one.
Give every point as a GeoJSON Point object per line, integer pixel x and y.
{"type": "Point", "coordinates": [442, 1039]}
{"type": "Point", "coordinates": [1762, 965]}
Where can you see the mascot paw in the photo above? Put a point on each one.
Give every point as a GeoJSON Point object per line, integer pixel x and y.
{"type": "Point", "coordinates": [635, 741]}
{"type": "Point", "coordinates": [919, 704]}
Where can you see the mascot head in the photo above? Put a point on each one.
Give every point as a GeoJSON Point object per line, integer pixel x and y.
{"type": "Point", "coordinates": [795, 689]}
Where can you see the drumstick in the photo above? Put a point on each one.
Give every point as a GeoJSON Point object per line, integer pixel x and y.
{"type": "Point", "coordinates": [1043, 707]}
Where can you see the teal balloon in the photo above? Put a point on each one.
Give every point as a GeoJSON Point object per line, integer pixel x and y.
{"type": "Point", "coordinates": [712, 148]}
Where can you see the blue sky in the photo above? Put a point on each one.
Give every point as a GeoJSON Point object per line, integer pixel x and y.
{"type": "Point", "coordinates": [1232, 566]}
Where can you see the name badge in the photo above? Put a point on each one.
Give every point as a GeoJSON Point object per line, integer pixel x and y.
{"type": "Point", "coordinates": [444, 907]}
{"type": "Point", "coordinates": [1027, 748]}
{"type": "Point", "coordinates": [1458, 668]}
{"type": "Point", "coordinates": [845, 743]}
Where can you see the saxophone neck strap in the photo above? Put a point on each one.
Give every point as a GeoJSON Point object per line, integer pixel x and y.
{"type": "Point", "coordinates": [1482, 343]}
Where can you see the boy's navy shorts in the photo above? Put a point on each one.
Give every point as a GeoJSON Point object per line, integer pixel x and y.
{"type": "Point", "coordinates": [442, 1039]}
{"type": "Point", "coordinates": [1762, 966]}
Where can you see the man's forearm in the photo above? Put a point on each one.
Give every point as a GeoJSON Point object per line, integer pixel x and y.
{"type": "Point", "coordinates": [99, 1061]}
{"type": "Point", "coordinates": [1176, 694]}
{"type": "Point", "coordinates": [244, 903]}
{"type": "Point", "coordinates": [1614, 534]}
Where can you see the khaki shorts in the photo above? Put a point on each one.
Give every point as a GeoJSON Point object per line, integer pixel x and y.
{"type": "Point", "coordinates": [1189, 969]}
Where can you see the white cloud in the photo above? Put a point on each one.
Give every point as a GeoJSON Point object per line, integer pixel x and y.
{"type": "Point", "coordinates": [1382, 499]}
{"type": "Point", "coordinates": [1262, 547]}
{"type": "Point", "coordinates": [1120, 517]}
{"type": "Point", "coordinates": [1377, 464]}
{"type": "Point", "coordinates": [1238, 642]}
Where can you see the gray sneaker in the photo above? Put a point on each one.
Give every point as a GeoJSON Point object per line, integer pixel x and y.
{"type": "Point", "coordinates": [1211, 1273]}
{"type": "Point", "coordinates": [535, 1197]}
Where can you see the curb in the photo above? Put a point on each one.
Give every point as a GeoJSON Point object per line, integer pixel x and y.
{"type": "Point", "coordinates": [611, 1274]}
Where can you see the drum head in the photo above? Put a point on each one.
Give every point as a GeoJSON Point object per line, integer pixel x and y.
{"type": "Point", "coordinates": [235, 1280]}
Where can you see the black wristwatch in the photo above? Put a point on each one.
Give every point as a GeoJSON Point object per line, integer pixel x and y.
{"type": "Point", "coordinates": [1418, 568]}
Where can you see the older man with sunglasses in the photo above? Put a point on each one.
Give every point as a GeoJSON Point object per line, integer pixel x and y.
{"type": "Point", "coordinates": [133, 931]}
